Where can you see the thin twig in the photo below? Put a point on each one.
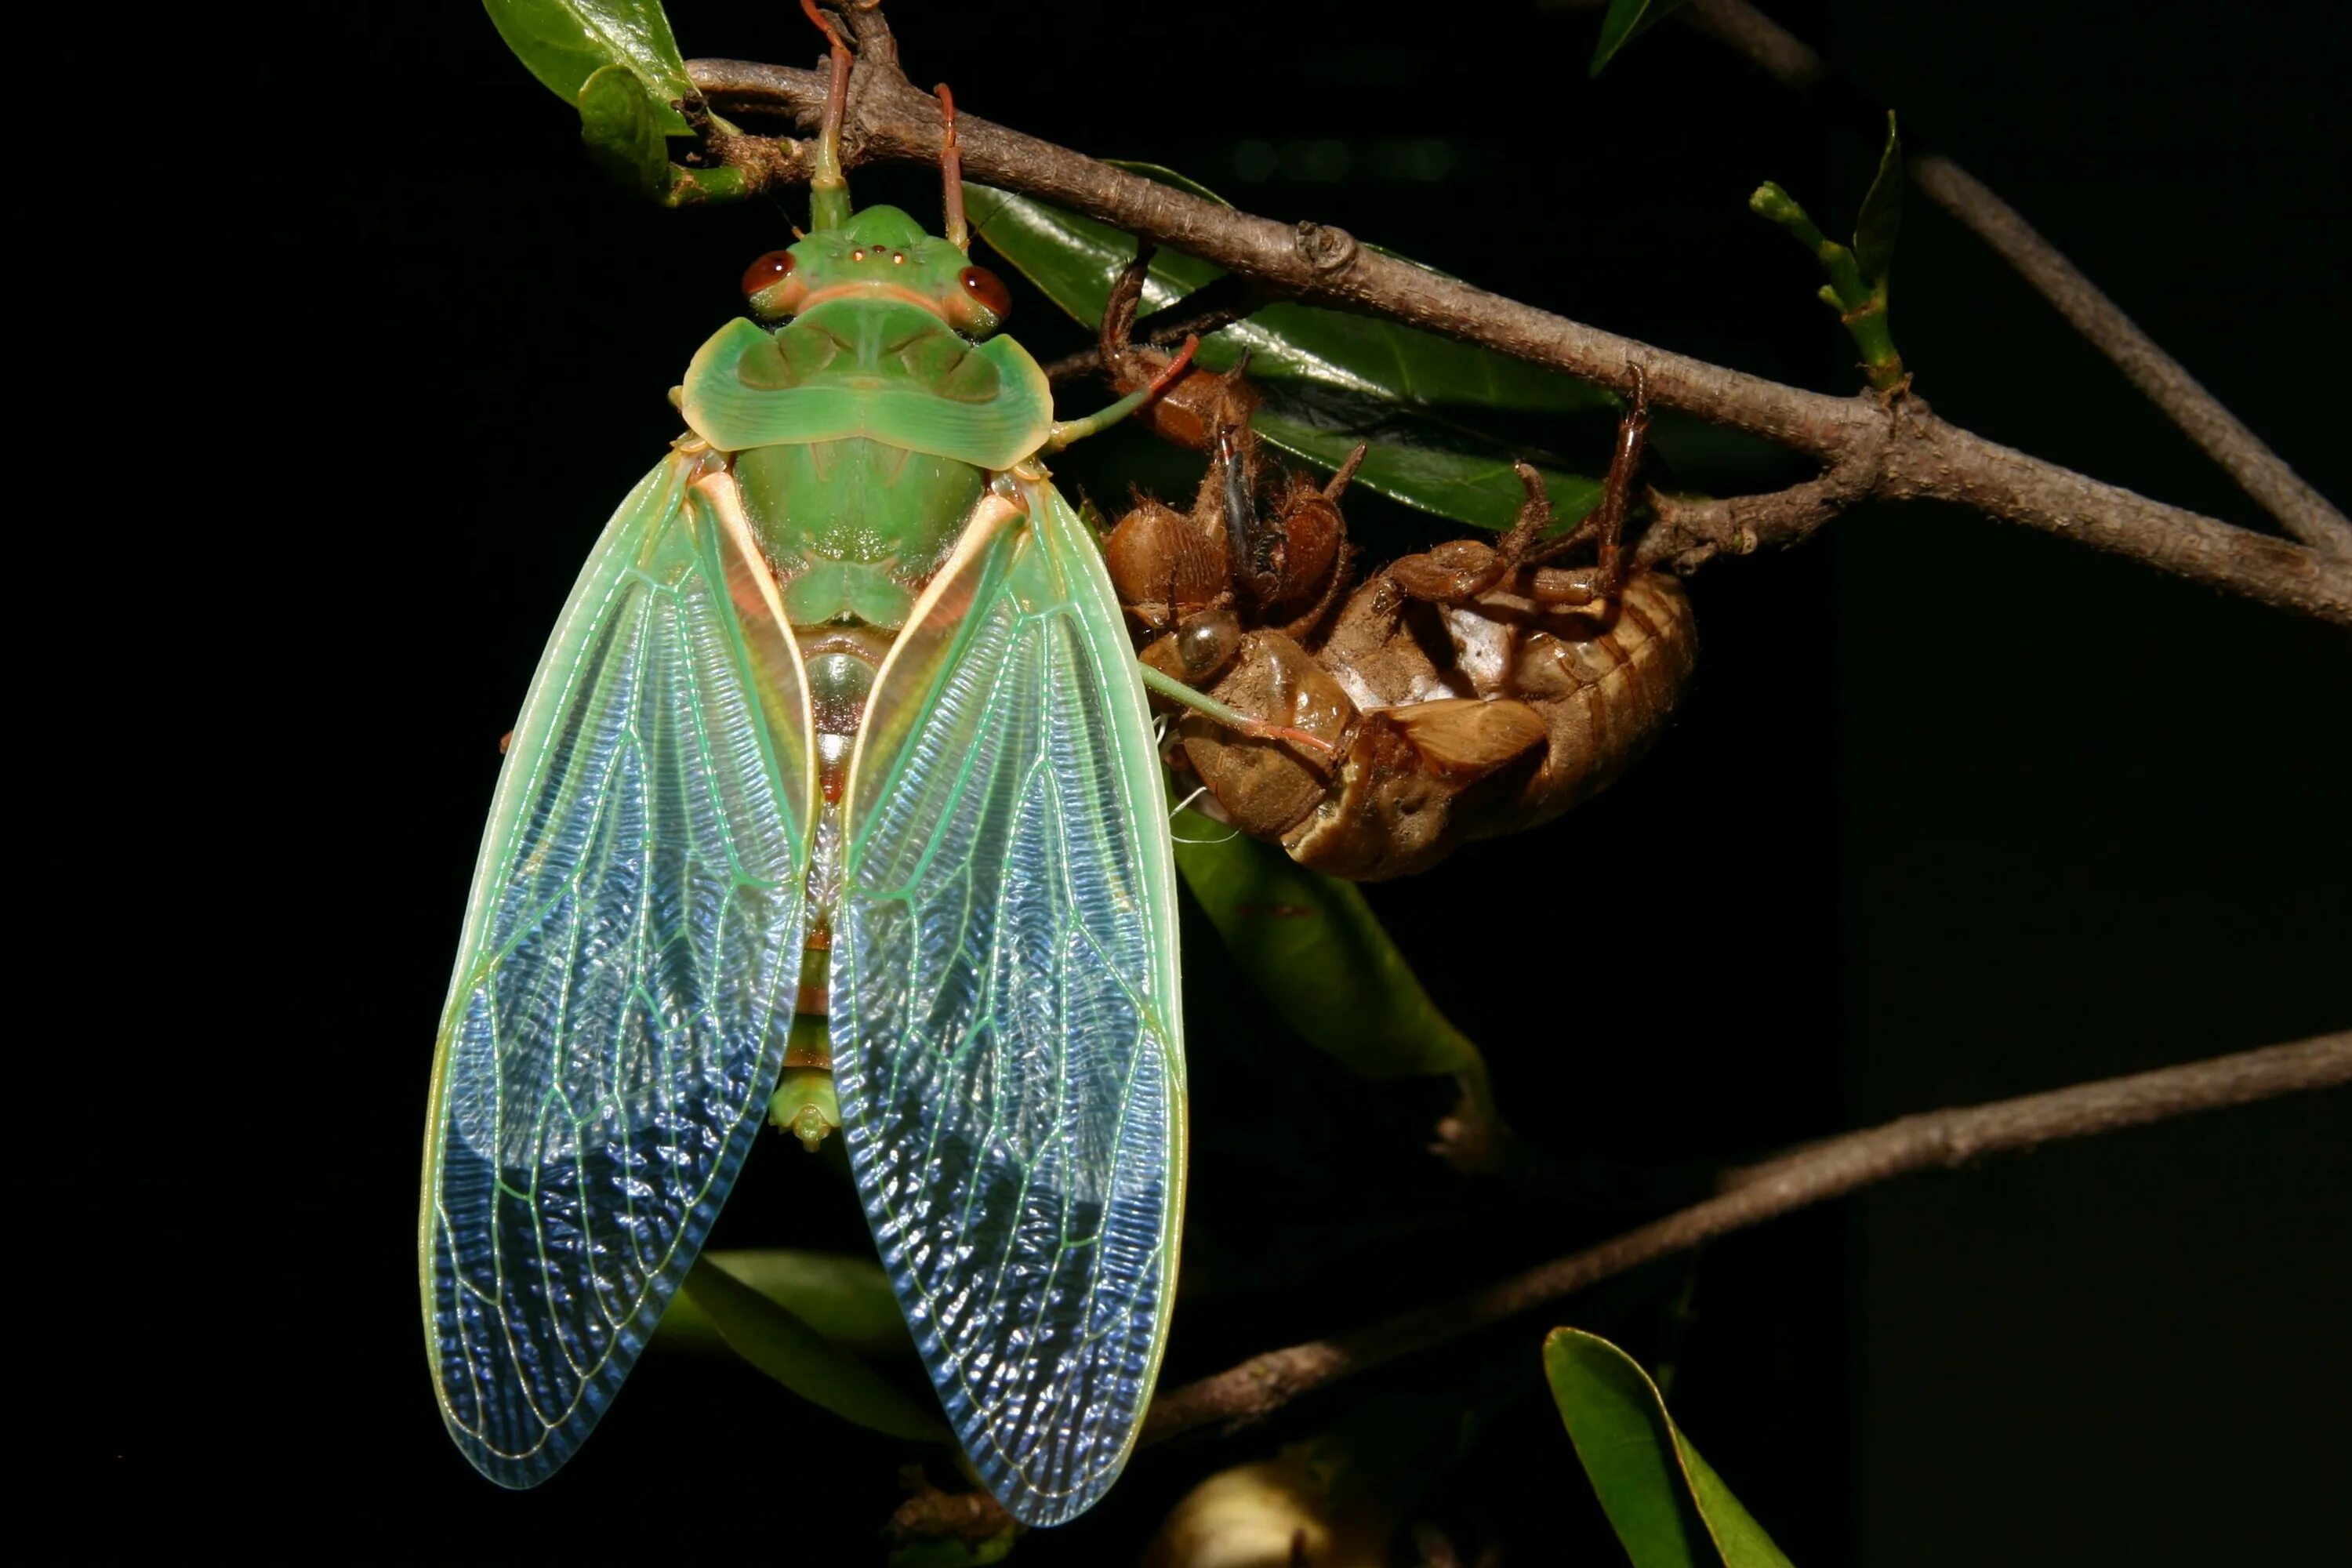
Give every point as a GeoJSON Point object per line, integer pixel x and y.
{"type": "Point", "coordinates": [889, 120]}
{"type": "Point", "coordinates": [1942, 1140]}
{"type": "Point", "coordinates": [1688, 533]}
{"type": "Point", "coordinates": [1785, 57]}
{"type": "Point", "coordinates": [2161, 379]}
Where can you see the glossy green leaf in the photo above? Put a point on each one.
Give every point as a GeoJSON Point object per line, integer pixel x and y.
{"type": "Point", "coordinates": [1330, 379]}
{"type": "Point", "coordinates": [847, 1300]}
{"type": "Point", "coordinates": [1667, 1507]}
{"type": "Point", "coordinates": [1480, 489]}
{"type": "Point", "coordinates": [1881, 221]}
{"type": "Point", "coordinates": [618, 124]}
{"type": "Point", "coordinates": [1628, 20]}
{"type": "Point", "coordinates": [1334, 349]}
{"type": "Point", "coordinates": [1320, 956]}
{"type": "Point", "coordinates": [565, 42]}
{"type": "Point", "coordinates": [946, 1552]}
{"type": "Point", "coordinates": [781, 1344]}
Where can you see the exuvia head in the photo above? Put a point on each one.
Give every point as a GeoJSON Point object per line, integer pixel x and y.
{"type": "Point", "coordinates": [880, 251]}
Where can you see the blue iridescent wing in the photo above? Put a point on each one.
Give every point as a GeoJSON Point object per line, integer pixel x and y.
{"type": "Point", "coordinates": [1006, 1036]}
{"type": "Point", "coordinates": [627, 979]}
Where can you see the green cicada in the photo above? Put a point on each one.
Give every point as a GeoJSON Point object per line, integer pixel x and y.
{"type": "Point", "coordinates": [843, 686]}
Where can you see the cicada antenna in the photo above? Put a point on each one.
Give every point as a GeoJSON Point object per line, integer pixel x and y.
{"type": "Point", "coordinates": [952, 175]}
{"type": "Point", "coordinates": [828, 190]}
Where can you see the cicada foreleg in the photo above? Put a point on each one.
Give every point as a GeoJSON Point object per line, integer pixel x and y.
{"type": "Point", "coordinates": [1605, 579]}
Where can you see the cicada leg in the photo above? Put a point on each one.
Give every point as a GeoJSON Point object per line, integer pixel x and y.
{"type": "Point", "coordinates": [1513, 573]}
{"type": "Point", "coordinates": [1605, 579]}
{"type": "Point", "coordinates": [1192, 411]}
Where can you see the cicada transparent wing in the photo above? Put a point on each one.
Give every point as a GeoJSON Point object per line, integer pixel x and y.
{"type": "Point", "coordinates": [1006, 1018]}
{"type": "Point", "coordinates": [627, 979]}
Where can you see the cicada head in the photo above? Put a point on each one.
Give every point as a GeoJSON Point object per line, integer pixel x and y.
{"type": "Point", "coordinates": [881, 251]}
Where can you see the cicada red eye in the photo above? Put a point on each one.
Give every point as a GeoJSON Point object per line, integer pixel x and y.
{"type": "Point", "coordinates": [770, 268]}
{"type": "Point", "coordinates": [986, 290]}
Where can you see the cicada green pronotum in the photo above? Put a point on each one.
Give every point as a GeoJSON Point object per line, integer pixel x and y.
{"type": "Point", "coordinates": [844, 684]}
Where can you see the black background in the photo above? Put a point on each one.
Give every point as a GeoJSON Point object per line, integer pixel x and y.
{"type": "Point", "coordinates": [1954, 812]}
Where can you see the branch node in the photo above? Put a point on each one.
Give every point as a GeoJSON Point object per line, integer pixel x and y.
{"type": "Point", "coordinates": [1689, 531]}
{"type": "Point", "coordinates": [764, 162]}
{"type": "Point", "coordinates": [1325, 248]}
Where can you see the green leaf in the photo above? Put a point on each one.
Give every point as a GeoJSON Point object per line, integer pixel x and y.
{"type": "Point", "coordinates": [1628, 20]}
{"type": "Point", "coordinates": [781, 1344]}
{"type": "Point", "coordinates": [1329, 379]}
{"type": "Point", "coordinates": [944, 1551]}
{"type": "Point", "coordinates": [847, 1300]}
{"type": "Point", "coordinates": [1667, 1507]}
{"type": "Point", "coordinates": [618, 127]}
{"type": "Point", "coordinates": [1880, 220]}
{"type": "Point", "coordinates": [565, 42]}
{"type": "Point", "coordinates": [1317, 954]}
{"type": "Point", "coordinates": [1481, 490]}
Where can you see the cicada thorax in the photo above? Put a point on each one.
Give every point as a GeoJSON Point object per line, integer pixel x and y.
{"type": "Point", "coordinates": [861, 437]}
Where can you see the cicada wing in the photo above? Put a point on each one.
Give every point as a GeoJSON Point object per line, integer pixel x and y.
{"type": "Point", "coordinates": [1006, 1035]}
{"type": "Point", "coordinates": [627, 979]}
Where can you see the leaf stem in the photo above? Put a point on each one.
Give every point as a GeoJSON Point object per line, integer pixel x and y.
{"type": "Point", "coordinates": [1861, 306]}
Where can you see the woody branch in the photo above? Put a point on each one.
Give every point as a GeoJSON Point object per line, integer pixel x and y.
{"type": "Point", "coordinates": [2163, 380]}
{"type": "Point", "coordinates": [1871, 448]}
{"type": "Point", "coordinates": [1940, 1140]}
